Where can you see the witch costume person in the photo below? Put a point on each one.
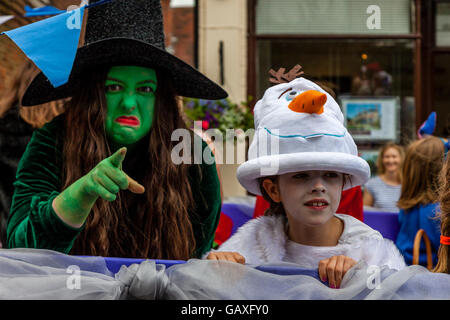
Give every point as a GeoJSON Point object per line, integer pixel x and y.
{"type": "Point", "coordinates": [74, 192]}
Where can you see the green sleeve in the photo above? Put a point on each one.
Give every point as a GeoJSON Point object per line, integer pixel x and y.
{"type": "Point", "coordinates": [206, 193]}
{"type": "Point", "coordinates": [32, 222]}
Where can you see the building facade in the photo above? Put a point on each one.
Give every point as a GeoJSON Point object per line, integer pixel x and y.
{"type": "Point", "coordinates": [387, 61]}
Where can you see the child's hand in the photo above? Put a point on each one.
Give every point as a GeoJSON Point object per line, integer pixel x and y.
{"type": "Point", "coordinates": [228, 256]}
{"type": "Point", "coordinates": [334, 269]}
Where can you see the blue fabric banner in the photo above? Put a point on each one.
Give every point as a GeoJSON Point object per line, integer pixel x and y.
{"type": "Point", "coordinates": [43, 11]}
{"type": "Point", "coordinates": [51, 43]}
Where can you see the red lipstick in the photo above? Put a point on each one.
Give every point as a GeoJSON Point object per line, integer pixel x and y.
{"type": "Point", "coordinates": [128, 121]}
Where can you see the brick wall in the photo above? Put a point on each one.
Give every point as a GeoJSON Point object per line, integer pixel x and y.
{"type": "Point", "coordinates": [179, 31]}
{"type": "Point", "coordinates": [183, 31]}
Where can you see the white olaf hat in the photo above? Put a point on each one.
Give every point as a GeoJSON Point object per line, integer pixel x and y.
{"type": "Point", "coordinates": [300, 127]}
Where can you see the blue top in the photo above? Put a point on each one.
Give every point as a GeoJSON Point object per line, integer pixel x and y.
{"type": "Point", "coordinates": [419, 217]}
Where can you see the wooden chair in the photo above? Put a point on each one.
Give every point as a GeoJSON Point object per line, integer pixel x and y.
{"type": "Point", "coordinates": [421, 233]}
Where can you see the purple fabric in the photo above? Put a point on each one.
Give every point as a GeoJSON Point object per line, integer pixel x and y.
{"type": "Point", "coordinates": [238, 213]}
{"type": "Point", "coordinates": [384, 222]}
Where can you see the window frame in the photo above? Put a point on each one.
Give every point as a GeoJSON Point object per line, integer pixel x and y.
{"type": "Point", "coordinates": [417, 36]}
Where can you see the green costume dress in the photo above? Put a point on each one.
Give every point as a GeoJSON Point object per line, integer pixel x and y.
{"type": "Point", "coordinates": [33, 223]}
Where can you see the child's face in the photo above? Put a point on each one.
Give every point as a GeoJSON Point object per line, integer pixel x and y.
{"type": "Point", "coordinates": [310, 197]}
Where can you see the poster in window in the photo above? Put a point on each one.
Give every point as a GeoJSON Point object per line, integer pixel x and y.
{"type": "Point", "coordinates": [371, 156]}
{"type": "Point", "coordinates": [371, 119]}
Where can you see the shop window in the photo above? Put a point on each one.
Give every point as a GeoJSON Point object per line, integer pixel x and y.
{"type": "Point", "coordinates": [443, 25]}
{"type": "Point", "coordinates": [334, 17]}
{"type": "Point", "coordinates": [441, 93]}
{"type": "Point", "coordinates": [351, 68]}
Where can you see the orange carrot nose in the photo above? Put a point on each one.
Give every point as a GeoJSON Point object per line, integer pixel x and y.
{"type": "Point", "coordinates": [310, 101]}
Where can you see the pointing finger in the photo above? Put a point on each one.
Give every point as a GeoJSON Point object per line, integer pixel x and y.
{"type": "Point", "coordinates": [135, 186]}
{"type": "Point", "coordinates": [117, 158]}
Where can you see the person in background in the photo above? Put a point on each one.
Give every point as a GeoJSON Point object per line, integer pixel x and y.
{"type": "Point", "coordinates": [419, 197]}
{"type": "Point", "coordinates": [443, 264]}
{"type": "Point", "coordinates": [383, 191]}
{"type": "Point", "coordinates": [16, 127]}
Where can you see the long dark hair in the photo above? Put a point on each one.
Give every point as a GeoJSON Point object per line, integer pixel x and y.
{"type": "Point", "coordinates": [153, 225]}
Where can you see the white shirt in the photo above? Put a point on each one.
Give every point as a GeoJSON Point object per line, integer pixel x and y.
{"type": "Point", "coordinates": [309, 256]}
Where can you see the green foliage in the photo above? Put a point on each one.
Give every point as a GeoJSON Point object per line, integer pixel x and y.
{"type": "Point", "coordinates": [219, 114]}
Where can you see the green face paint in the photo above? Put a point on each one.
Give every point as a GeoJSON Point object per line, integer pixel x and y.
{"type": "Point", "coordinates": [130, 98]}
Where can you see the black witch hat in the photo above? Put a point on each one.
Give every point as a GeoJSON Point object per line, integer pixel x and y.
{"type": "Point", "coordinates": [125, 32]}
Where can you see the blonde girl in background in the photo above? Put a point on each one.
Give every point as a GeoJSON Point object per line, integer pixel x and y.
{"type": "Point", "coordinates": [383, 191]}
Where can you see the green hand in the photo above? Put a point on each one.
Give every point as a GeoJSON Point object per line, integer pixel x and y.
{"type": "Point", "coordinates": [105, 180]}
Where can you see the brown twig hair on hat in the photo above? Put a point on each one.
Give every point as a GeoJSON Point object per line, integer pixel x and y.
{"type": "Point", "coordinates": [281, 77]}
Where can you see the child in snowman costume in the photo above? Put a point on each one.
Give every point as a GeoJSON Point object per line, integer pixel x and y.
{"type": "Point", "coordinates": [300, 160]}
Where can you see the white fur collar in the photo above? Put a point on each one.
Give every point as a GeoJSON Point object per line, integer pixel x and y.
{"type": "Point", "coordinates": [263, 240]}
{"type": "Point", "coordinates": [260, 240]}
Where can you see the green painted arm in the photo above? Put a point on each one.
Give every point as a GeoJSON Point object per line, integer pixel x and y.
{"type": "Point", "coordinates": [33, 222]}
